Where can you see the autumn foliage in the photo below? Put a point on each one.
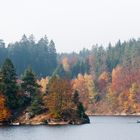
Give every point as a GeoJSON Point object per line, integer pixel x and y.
{"type": "Point", "coordinates": [43, 83]}
{"type": "Point", "coordinates": [107, 81]}
{"type": "Point", "coordinates": [4, 112]}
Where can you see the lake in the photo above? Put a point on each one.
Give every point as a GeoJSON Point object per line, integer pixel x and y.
{"type": "Point", "coordinates": [100, 128]}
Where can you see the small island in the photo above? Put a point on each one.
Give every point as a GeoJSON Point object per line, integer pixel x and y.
{"type": "Point", "coordinates": [22, 102]}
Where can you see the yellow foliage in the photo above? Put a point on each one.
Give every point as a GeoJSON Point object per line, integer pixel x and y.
{"type": "Point", "coordinates": [84, 84]}
{"type": "Point", "coordinates": [43, 83]}
{"type": "Point", "coordinates": [65, 64]}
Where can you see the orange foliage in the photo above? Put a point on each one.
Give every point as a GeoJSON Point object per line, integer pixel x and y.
{"type": "Point", "coordinates": [4, 112]}
{"type": "Point", "coordinates": [117, 79]}
{"type": "Point", "coordinates": [103, 80]}
{"type": "Point", "coordinates": [123, 78]}
{"type": "Point", "coordinates": [58, 96]}
{"type": "Point", "coordinates": [104, 76]}
{"type": "Point", "coordinates": [125, 84]}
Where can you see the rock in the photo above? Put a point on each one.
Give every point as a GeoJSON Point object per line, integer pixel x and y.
{"type": "Point", "coordinates": [15, 124]}
{"type": "Point", "coordinates": [52, 123]}
{"type": "Point", "coordinates": [86, 119]}
{"type": "Point", "coordinates": [28, 115]}
{"type": "Point", "coordinates": [77, 121]}
{"type": "Point", "coordinates": [1, 124]}
{"type": "Point", "coordinates": [37, 123]}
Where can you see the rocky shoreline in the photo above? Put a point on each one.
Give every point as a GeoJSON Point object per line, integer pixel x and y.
{"type": "Point", "coordinates": [49, 123]}
{"type": "Point", "coordinates": [44, 119]}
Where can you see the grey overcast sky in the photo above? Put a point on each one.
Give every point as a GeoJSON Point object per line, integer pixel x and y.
{"type": "Point", "coordinates": [72, 24]}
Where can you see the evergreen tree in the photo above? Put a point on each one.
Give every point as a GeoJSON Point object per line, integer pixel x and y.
{"type": "Point", "coordinates": [36, 104]}
{"type": "Point", "coordinates": [52, 56]}
{"type": "Point", "coordinates": [79, 105]}
{"type": "Point", "coordinates": [29, 84]}
{"type": "Point", "coordinates": [9, 84]}
{"type": "Point", "coordinates": [31, 89]}
{"type": "Point", "coordinates": [80, 110]}
{"type": "Point", "coordinates": [75, 97]}
{"type": "Point", "coordinates": [3, 51]}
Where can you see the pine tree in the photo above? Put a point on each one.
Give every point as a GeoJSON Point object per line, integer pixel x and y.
{"type": "Point", "coordinates": [9, 84]}
{"type": "Point", "coordinates": [79, 105]}
{"type": "Point", "coordinates": [29, 84]}
{"type": "Point", "coordinates": [75, 97]}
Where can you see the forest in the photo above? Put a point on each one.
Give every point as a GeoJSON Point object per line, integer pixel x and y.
{"type": "Point", "coordinates": [101, 80]}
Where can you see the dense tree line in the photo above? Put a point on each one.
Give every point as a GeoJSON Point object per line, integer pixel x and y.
{"type": "Point", "coordinates": [106, 78]}
{"type": "Point", "coordinates": [44, 60]}
{"type": "Point", "coordinates": [99, 58]}
{"type": "Point", "coordinates": [41, 55]}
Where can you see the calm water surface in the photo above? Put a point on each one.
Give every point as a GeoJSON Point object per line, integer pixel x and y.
{"type": "Point", "coordinates": [101, 128]}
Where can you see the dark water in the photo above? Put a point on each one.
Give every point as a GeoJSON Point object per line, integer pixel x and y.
{"type": "Point", "coordinates": [101, 128]}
